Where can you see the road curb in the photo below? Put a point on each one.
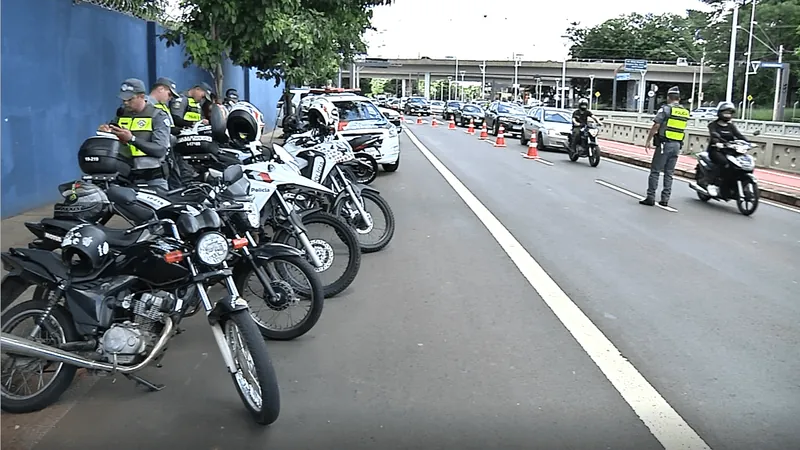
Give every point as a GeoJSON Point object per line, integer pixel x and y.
{"type": "Point", "coordinates": [769, 194]}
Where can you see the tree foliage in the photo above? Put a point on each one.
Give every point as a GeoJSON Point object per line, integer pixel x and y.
{"type": "Point", "coordinates": [304, 41]}
{"type": "Point", "coordinates": [668, 37]}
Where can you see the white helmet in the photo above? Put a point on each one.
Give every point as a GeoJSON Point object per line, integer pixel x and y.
{"type": "Point", "coordinates": [323, 115]}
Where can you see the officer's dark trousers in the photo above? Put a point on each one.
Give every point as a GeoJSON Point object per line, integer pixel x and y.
{"type": "Point", "coordinates": [665, 157]}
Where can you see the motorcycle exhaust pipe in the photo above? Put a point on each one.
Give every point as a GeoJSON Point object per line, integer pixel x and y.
{"type": "Point", "coordinates": [21, 346]}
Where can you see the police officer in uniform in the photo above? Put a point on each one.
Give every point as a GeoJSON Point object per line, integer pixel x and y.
{"type": "Point", "coordinates": [145, 132]}
{"type": "Point", "coordinates": [163, 92]}
{"type": "Point", "coordinates": [188, 108]}
{"type": "Point", "coordinates": [161, 95]}
{"type": "Point", "coordinates": [666, 137]}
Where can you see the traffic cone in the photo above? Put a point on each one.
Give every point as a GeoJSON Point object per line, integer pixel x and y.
{"type": "Point", "coordinates": [533, 151]}
{"type": "Point", "coordinates": [501, 139]}
{"type": "Point", "coordinates": [419, 120]}
{"type": "Point", "coordinates": [402, 119]}
{"type": "Point", "coordinates": [433, 122]}
{"type": "Point", "coordinates": [452, 125]}
{"type": "Point", "coordinates": [471, 129]}
{"type": "Point", "coordinates": [484, 134]}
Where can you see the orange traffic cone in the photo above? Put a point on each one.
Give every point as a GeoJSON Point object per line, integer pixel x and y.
{"type": "Point", "coordinates": [471, 129]}
{"type": "Point", "coordinates": [452, 125]}
{"type": "Point", "coordinates": [419, 120]}
{"type": "Point", "coordinates": [501, 139]}
{"type": "Point", "coordinates": [433, 122]}
{"type": "Point", "coordinates": [484, 135]}
{"type": "Point", "coordinates": [533, 151]}
{"type": "Point", "coordinates": [402, 119]}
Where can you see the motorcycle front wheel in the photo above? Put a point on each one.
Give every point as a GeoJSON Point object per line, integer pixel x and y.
{"type": "Point", "coordinates": [255, 379]}
{"type": "Point", "coordinates": [376, 237]}
{"type": "Point", "coordinates": [749, 203]}
{"type": "Point", "coordinates": [594, 158]}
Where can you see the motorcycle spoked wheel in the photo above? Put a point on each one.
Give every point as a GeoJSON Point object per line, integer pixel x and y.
{"type": "Point", "coordinates": [749, 204]}
{"type": "Point", "coordinates": [343, 232]}
{"type": "Point", "coordinates": [285, 285]}
{"type": "Point", "coordinates": [255, 379]}
{"type": "Point", "coordinates": [356, 223]}
{"type": "Point", "coordinates": [362, 174]}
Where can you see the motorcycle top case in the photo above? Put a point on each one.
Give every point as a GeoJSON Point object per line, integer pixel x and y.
{"type": "Point", "coordinates": [199, 141]}
{"type": "Point", "coordinates": [100, 155]}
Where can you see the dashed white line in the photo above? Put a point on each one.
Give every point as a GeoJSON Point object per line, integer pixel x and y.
{"type": "Point", "coordinates": [631, 193]}
{"type": "Point", "coordinates": [666, 425]}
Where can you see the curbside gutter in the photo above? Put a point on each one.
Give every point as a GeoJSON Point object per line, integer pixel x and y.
{"type": "Point", "coordinates": [767, 193]}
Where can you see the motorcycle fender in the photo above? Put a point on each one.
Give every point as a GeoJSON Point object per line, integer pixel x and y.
{"type": "Point", "coordinates": [752, 178]}
{"type": "Point", "coordinates": [225, 307]}
{"type": "Point", "coordinates": [307, 212]}
{"type": "Point", "coordinates": [13, 286]}
{"type": "Point", "coordinates": [272, 250]}
{"type": "Point", "coordinates": [27, 271]}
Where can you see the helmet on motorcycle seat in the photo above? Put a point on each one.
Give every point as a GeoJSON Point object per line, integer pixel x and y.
{"type": "Point", "coordinates": [243, 126]}
{"type": "Point", "coordinates": [583, 103]}
{"type": "Point", "coordinates": [84, 249]}
{"type": "Point", "coordinates": [232, 94]}
{"type": "Point", "coordinates": [82, 201]}
{"type": "Point", "coordinates": [726, 111]}
{"type": "Point", "coordinates": [323, 115]}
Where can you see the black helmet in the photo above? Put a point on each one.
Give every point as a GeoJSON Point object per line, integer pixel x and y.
{"type": "Point", "coordinates": [726, 111]}
{"type": "Point", "coordinates": [232, 94]}
{"type": "Point", "coordinates": [83, 201]}
{"type": "Point", "coordinates": [84, 249]}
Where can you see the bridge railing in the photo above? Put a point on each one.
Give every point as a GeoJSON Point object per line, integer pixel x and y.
{"type": "Point", "coordinates": [779, 129]}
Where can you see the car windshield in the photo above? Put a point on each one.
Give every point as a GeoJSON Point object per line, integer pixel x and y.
{"type": "Point", "coordinates": [510, 109]}
{"type": "Point", "coordinates": [437, 103]}
{"type": "Point", "coordinates": [555, 116]}
{"type": "Point", "coordinates": [471, 108]}
{"type": "Point", "coordinates": [454, 104]}
{"type": "Point", "coordinates": [416, 100]}
{"type": "Point", "coordinates": [354, 110]}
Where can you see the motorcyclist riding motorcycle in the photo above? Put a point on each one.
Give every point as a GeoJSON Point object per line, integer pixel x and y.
{"type": "Point", "coordinates": [580, 118]}
{"type": "Point", "coordinates": [721, 131]}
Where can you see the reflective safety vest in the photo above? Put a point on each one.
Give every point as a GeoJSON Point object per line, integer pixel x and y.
{"type": "Point", "coordinates": [675, 129]}
{"type": "Point", "coordinates": [141, 125]}
{"type": "Point", "coordinates": [165, 108]}
{"type": "Point", "coordinates": [193, 111]}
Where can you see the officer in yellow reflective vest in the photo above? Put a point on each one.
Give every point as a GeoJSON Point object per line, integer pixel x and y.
{"type": "Point", "coordinates": [667, 134]}
{"type": "Point", "coordinates": [162, 93]}
{"type": "Point", "coordinates": [188, 108]}
{"type": "Point", "coordinates": [144, 131]}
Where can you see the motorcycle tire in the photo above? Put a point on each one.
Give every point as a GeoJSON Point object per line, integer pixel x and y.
{"type": "Point", "coordinates": [64, 374]}
{"type": "Point", "coordinates": [740, 201]}
{"type": "Point", "coordinates": [345, 233]}
{"type": "Point", "coordinates": [362, 174]}
{"type": "Point", "coordinates": [388, 215]}
{"type": "Point", "coordinates": [594, 159]}
{"type": "Point", "coordinates": [698, 178]}
{"type": "Point", "coordinates": [315, 294]}
{"type": "Point", "coordinates": [573, 155]}
{"type": "Point", "coordinates": [249, 336]}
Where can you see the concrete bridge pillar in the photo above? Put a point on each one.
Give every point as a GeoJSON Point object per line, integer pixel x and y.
{"type": "Point", "coordinates": [427, 85]}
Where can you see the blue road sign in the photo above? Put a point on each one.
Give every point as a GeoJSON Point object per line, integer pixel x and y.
{"type": "Point", "coordinates": [625, 76]}
{"type": "Point", "coordinates": [771, 65]}
{"type": "Point", "coordinates": [635, 64]}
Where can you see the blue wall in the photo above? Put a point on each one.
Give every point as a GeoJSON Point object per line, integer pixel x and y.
{"type": "Point", "coordinates": [62, 65]}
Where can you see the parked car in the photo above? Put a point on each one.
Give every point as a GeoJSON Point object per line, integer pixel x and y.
{"type": "Point", "coordinates": [393, 104]}
{"type": "Point", "coordinates": [359, 116]}
{"type": "Point", "coordinates": [417, 106]}
{"type": "Point", "coordinates": [450, 109]}
{"type": "Point", "coordinates": [469, 111]}
{"type": "Point", "coordinates": [392, 116]}
{"type": "Point", "coordinates": [437, 107]}
{"type": "Point", "coordinates": [705, 112]}
{"type": "Point", "coordinates": [508, 114]}
{"type": "Point", "coordinates": [552, 127]}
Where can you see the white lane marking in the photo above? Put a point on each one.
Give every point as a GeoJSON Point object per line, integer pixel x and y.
{"type": "Point", "coordinates": [631, 193]}
{"type": "Point", "coordinates": [666, 425]}
{"type": "Point", "coordinates": [687, 180]}
{"type": "Point", "coordinates": [543, 161]}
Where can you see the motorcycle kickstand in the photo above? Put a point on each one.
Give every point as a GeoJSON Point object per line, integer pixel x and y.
{"type": "Point", "coordinates": [142, 382]}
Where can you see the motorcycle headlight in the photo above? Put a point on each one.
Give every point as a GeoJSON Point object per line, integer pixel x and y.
{"type": "Point", "coordinates": [593, 132]}
{"type": "Point", "coordinates": [212, 249]}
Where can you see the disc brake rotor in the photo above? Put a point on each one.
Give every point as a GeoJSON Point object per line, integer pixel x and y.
{"type": "Point", "coordinates": [324, 253]}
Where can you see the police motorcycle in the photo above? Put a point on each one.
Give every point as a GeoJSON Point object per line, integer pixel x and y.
{"type": "Point", "coordinates": [279, 274]}
{"type": "Point", "coordinates": [118, 297]}
{"type": "Point", "coordinates": [586, 145]}
{"type": "Point", "coordinates": [321, 155]}
{"type": "Point", "coordinates": [736, 182]}
{"type": "Point", "coordinates": [274, 187]}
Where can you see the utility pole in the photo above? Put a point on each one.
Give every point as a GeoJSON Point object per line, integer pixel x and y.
{"type": "Point", "coordinates": [732, 53]}
{"type": "Point", "coordinates": [779, 72]}
{"type": "Point", "coordinates": [483, 79]}
{"type": "Point", "coordinates": [749, 53]}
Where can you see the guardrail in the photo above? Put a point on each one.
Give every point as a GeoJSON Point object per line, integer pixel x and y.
{"type": "Point", "coordinates": [774, 152]}
{"type": "Point", "coordinates": [780, 129]}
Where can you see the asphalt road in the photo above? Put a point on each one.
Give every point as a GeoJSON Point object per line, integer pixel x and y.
{"type": "Point", "coordinates": [442, 343]}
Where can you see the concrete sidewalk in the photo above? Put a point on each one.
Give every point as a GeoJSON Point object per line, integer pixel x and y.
{"type": "Point", "coordinates": [775, 185]}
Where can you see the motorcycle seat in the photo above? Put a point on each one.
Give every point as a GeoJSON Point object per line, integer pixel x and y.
{"type": "Point", "coordinates": [361, 140]}
{"type": "Point", "coordinates": [114, 236]}
{"type": "Point", "coordinates": [51, 262]}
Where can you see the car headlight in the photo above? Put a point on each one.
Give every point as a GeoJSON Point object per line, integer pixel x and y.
{"type": "Point", "coordinates": [393, 131]}
{"type": "Point", "coordinates": [212, 249]}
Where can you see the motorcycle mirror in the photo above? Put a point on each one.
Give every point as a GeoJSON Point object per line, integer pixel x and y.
{"type": "Point", "coordinates": [232, 174]}
{"type": "Point", "coordinates": [756, 133]}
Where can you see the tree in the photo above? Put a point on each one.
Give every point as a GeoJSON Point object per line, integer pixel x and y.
{"type": "Point", "coordinates": [299, 40]}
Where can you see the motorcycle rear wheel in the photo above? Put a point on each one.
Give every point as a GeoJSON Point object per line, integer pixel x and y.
{"type": "Point", "coordinates": [364, 175]}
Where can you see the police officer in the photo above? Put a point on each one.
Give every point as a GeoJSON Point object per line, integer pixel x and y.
{"type": "Point", "coordinates": [666, 136]}
{"type": "Point", "coordinates": [188, 108]}
{"type": "Point", "coordinates": [144, 131]}
{"type": "Point", "coordinates": [162, 93]}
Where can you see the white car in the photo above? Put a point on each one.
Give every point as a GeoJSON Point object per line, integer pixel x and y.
{"type": "Point", "coordinates": [359, 116]}
{"type": "Point", "coordinates": [705, 112]}
{"type": "Point", "coordinates": [437, 107]}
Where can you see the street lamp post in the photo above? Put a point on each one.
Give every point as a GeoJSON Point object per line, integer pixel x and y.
{"type": "Point", "coordinates": [778, 74]}
{"type": "Point", "coordinates": [732, 53]}
{"type": "Point", "coordinates": [700, 84]}
{"type": "Point", "coordinates": [463, 72]}
{"type": "Point", "coordinates": [591, 90]}
{"type": "Point", "coordinates": [749, 53]}
{"type": "Point", "coordinates": [564, 72]}
{"type": "Point", "coordinates": [517, 63]}
{"type": "Point", "coordinates": [483, 80]}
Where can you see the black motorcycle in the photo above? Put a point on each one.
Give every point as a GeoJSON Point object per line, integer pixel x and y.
{"type": "Point", "coordinates": [119, 316]}
{"type": "Point", "coordinates": [735, 182]}
{"type": "Point", "coordinates": [586, 145]}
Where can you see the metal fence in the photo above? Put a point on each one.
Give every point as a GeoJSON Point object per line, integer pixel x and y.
{"type": "Point", "coordinates": [160, 11]}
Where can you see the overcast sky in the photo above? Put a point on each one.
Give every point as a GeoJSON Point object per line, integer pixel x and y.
{"type": "Point", "coordinates": [495, 29]}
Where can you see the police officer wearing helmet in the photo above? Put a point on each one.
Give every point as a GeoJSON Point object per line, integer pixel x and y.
{"type": "Point", "coordinates": [666, 137]}
{"type": "Point", "coordinates": [721, 131]}
{"type": "Point", "coordinates": [145, 132]}
{"type": "Point", "coordinates": [188, 108]}
{"type": "Point", "coordinates": [580, 118]}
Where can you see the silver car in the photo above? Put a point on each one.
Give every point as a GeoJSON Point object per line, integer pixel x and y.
{"type": "Point", "coordinates": [437, 107]}
{"type": "Point", "coordinates": [552, 127]}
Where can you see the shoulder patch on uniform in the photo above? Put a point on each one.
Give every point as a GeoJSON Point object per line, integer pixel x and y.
{"type": "Point", "coordinates": [141, 122]}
